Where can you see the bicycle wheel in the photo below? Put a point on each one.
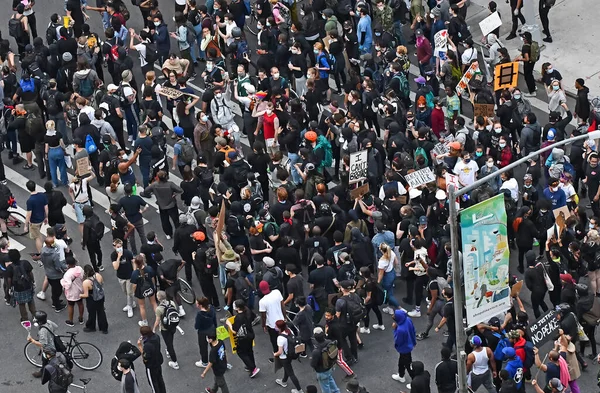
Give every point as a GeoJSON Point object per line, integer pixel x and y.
{"type": "Point", "coordinates": [15, 224]}
{"type": "Point", "coordinates": [86, 356]}
{"type": "Point", "coordinates": [33, 353]}
{"type": "Point", "coordinates": [186, 293]}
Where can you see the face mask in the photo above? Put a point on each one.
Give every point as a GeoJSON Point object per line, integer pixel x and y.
{"type": "Point", "coordinates": [527, 186]}
{"type": "Point", "coordinates": [593, 165]}
{"type": "Point", "coordinates": [294, 52]}
{"type": "Point", "coordinates": [502, 145]}
{"type": "Point", "coordinates": [555, 87]}
{"type": "Point", "coordinates": [241, 75]}
{"type": "Point", "coordinates": [377, 48]}
{"type": "Point", "coordinates": [467, 160]}
{"type": "Point", "coordinates": [489, 164]}
{"type": "Point", "coordinates": [517, 96]}
{"type": "Point", "coordinates": [377, 34]}
{"type": "Point", "coordinates": [204, 118]}
{"type": "Point", "coordinates": [119, 250]}
{"type": "Point", "coordinates": [498, 130]}
{"type": "Point", "coordinates": [591, 226]}
{"type": "Point", "coordinates": [219, 95]}
{"type": "Point", "coordinates": [554, 189]}
{"type": "Point", "coordinates": [259, 27]}
{"type": "Point", "coordinates": [156, 24]}
{"type": "Point", "coordinates": [268, 24]}
{"type": "Point", "coordinates": [380, 7]}
{"type": "Point", "coordinates": [316, 51]}
{"type": "Point", "coordinates": [556, 260]}
{"type": "Point", "coordinates": [209, 67]}
{"type": "Point", "coordinates": [357, 129]}
{"type": "Point", "coordinates": [269, 111]}
{"type": "Point", "coordinates": [324, 17]}
{"type": "Point", "coordinates": [432, 16]}
{"type": "Point", "coordinates": [478, 153]}
{"type": "Point", "coordinates": [124, 157]}
{"type": "Point", "coordinates": [119, 368]}
{"type": "Point", "coordinates": [550, 70]}
{"type": "Point", "coordinates": [276, 75]}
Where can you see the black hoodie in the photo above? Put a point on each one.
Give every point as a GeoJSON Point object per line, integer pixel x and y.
{"type": "Point", "coordinates": [421, 379]}
{"type": "Point", "coordinates": [582, 104]}
{"type": "Point", "coordinates": [151, 351]}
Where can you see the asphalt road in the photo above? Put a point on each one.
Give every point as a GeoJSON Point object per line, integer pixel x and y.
{"type": "Point", "coordinates": [377, 360]}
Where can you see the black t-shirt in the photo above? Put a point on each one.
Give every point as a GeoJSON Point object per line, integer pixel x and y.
{"type": "Point", "coordinates": [22, 268]}
{"type": "Point", "coordinates": [230, 283]}
{"type": "Point", "coordinates": [169, 269]}
{"type": "Point", "coordinates": [593, 179]}
{"type": "Point", "coordinates": [52, 140]}
{"type": "Point", "coordinates": [152, 253]}
{"type": "Point", "coordinates": [257, 243]}
{"type": "Point", "coordinates": [119, 226]}
{"type": "Point", "coordinates": [332, 255]}
{"type": "Point", "coordinates": [448, 312]}
{"type": "Point", "coordinates": [242, 324]}
{"type": "Point", "coordinates": [323, 278]}
{"type": "Point", "coordinates": [125, 266]}
{"type": "Point", "coordinates": [295, 286]}
{"type": "Point", "coordinates": [151, 105]}
{"type": "Point", "coordinates": [218, 358]}
{"type": "Point", "coordinates": [132, 205]}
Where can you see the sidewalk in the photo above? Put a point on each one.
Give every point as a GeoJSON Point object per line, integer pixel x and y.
{"type": "Point", "coordinates": [572, 53]}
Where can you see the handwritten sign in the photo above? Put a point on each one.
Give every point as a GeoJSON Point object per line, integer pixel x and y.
{"type": "Point", "coordinates": [490, 23]}
{"type": "Point", "coordinates": [484, 110]}
{"type": "Point", "coordinates": [441, 41]}
{"type": "Point", "coordinates": [440, 149]}
{"type": "Point", "coordinates": [452, 179]}
{"type": "Point", "coordinates": [463, 84]}
{"type": "Point", "coordinates": [358, 166]}
{"type": "Point", "coordinates": [83, 166]}
{"type": "Point", "coordinates": [544, 329]}
{"type": "Point", "coordinates": [420, 177]}
{"type": "Point", "coordinates": [506, 76]}
{"type": "Point", "coordinates": [359, 191]}
{"type": "Point", "coordinates": [173, 94]}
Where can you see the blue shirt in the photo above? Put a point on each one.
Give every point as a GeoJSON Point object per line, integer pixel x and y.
{"type": "Point", "coordinates": [177, 152]}
{"type": "Point", "coordinates": [146, 145]}
{"type": "Point", "coordinates": [131, 205]}
{"type": "Point", "coordinates": [35, 205]}
{"type": "Point", "coordinates": [558, 198]}
{"type": "Point", "coordinates": [364, 29]}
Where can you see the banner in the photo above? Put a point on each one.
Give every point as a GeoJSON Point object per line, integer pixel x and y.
{"type": "Point", "coordinates": [463, 84]}
{"type": "Point", "coordinates": [485, 260]}
{"type": "Point", "coordinates": [420, 177]}
{"type": "Point", "coordinates": [490, 23]}
{"type": "Point", "coordinates": [358, 166]}
{"type": "Point", "coordinates": [441, 41]}
{"type": "Point", "coordinates": [544, 329]}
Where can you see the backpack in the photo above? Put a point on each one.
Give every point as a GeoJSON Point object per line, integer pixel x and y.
{"type": "Point", "coordinates": [355, 309]}
{"type": "Point", "coordinates": [187, 151]}
{"type": "Point", "coordinates": [59, 345]}
{"type": "Point", "coordinates": [234, 227]}
{"type": "Point", "coordinates": [206, 178]}
{"type": "Point", "coordinates": [241, 175]}
{"type": "Point", "coordinates": [33, 124]}
{"type": "Point", "coordinates": [568, 167]}
{"type": "Point", "coordinates": [463, 32]}
{"type": "Point", "coordinates": [50, 34]}
{"type": "Point", "coordinates": [529, 355]}
{"type": "Point", "coordinates": [534, 53]}
{"type": "Point", "coordinates": [272, 224]}
{"type": "Point", "coordinates": [127, 351]}
{"type": "Point", "coordinates": [242, 48]}
{"type": "Point", "coordinates": [293, 342]}
{"type": "Point", "coordinates": [86, 87]}
{"type": "Point", "coordinates": [170, 318]}
{"type": "Point", "coordinates": [429, 99]}
{"type": "Point", "coordinates": [305, 214]}
{"type": "Point", "coordinates": [90, 145]}
{"type": "Point", "coordinates": [442, 283]}
{"type": "Point", "coordinates": [404, 86]}
{"type": "Point", "coordinates": [419, 151]}
{"type": "Point", "coordinates": [332, 62]}
{"type": "Point", "coordinates": [51, 104]}
{"type": "Point", "coordinates": [6, 197]}
{"type": "Point", "coordinates": [96, 228]}
{"type": "Point", "coordinates": [242, 289]}
{"type": "Point", "coordinates": [469, 143]}
{"type": "Point", "coordinates": [190, 34]}
{"type": "Point", "coordinates": [27, 85]}
{"type": "Point", "coordinates": [97, 290]}
{"type": "Point", "coordinates": [329, 354]}
{"type": "Point", "coordinates": [114, 52]}
{"type": "Point", "coordinates": [15, 27]}
{"type": "Point", "coordinates": [63, 376]}
{"type": "Point", "coordinates": [151, 53]}
{"type": "Point", "coordinates": [504, 342]}
{"type": "Point", "coordinates": [145, 288]}
{"type": "Point", "coordinates": [284, 12]}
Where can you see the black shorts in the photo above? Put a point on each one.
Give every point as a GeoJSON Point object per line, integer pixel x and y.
{"type": "Point", "coordinates": [26, 141]}
{"type": "Point", "coordinates": [72, 303]}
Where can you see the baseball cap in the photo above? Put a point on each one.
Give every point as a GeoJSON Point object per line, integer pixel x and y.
{"type": "Point", "coordinates": [106, 138]}
{"type": "Point", "coordinates": [440, 195]}
{"type": "Point", "coordinates": [550, 135]}
{"type": "Point", "coordinates": [514, 334]}
{"type": "Point", "coordinates": [232, 155]}
{"type": "Point", "coordinates": [111, 87]}
{"type": "Point", "coordinates": [195, 203]}
{"type": "Point", "coordinates": [509, 352]}
{"type": "Point", "coordinates": [420, 80]}
{"type": "Point", "coordinates": [232, 266]}
{"type": "Point", "coordinates": [476, 341]}
{"type": "Point", "coordinates": [347, 284]}
{"type": "Point", "coordinates": [422, 220]}
{"type": "Point", "coordinates": [178, 131]}
{"type": "Point", "coordinates": [414, 193]}
{"type": "Point", "coordinates": [268, 261]}
{"type": "Point", "coordinates": [419, 33]}
{"type": "Point", "coordinates": [455, 145]}
{"type": "Point", "coordinates": [556, 384]}
{"type": "Point", "coordinates": [311, 136]}
{"type": "Point", "coordinates": [263, 286]}
{"type": "Point", "coordinates": [199, 236]}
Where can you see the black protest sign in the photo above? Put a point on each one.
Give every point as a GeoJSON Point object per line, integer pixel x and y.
{"type": "Point", "coordinates": [544, 329]}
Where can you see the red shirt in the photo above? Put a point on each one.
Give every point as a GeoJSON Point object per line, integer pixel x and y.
{"type": "Point", "coordinates": [269, 125]}
{"type": "Point", "coordinates": [437, 121]}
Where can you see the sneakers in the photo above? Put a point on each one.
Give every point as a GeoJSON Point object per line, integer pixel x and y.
{"type": "Point", "coordinates": [414, 313]}
{"type": "Point", "coordinates": [129, 312]}
{"type": "Point", "coordinates": [60, 308]}
{"type": "Point", "coordinates": [547, 39]}
{"type": "Point", "coordinates": [364, 330]}
{"type": "Point", "coordinates": [167, 354]}
{"type": "Point", "coordinates": [529, 94]}
{"type": "Point", "coordinates": [125, 308]}
{"type": "Point", "coordinates": [303, 355]}
{"type": "Point", "coordinates": [174, 365]}
{"type": "Point", "coordinates": [297, 391]}
{"type": "Point", "coordinates": [408, 386]}
{"type": "Point", "coordinates": [41, 295]}
{"type": "Point", "coordinates": [200, 364]}
{"type": "Point", "coordinates": [37, 374]}
{"type": "Point", "coordinates": [143, 323]}
{"type": "Point", "coordinates": [511, 36]}
{"type": "Point", "coordinates": [181, 311]}
{"type": "Point", "coordinates": [378, 327]}
{"type": "Point", "coordinates": [388, 310]}
{"type": "Point", "coordinates": [133, 305]}
{"type": "Point", "coordinates": [88, 330]}
{"type": "Point", "coordinates": [446, 334]}
{"type": "Point", "coordinates": [101, 268]}
{"type": "Point", "coordinates": [168, 237]}
{"type": "Point", "coordinates": [254, 372]}
{"type": "Point", "coordinates": [397, 377]}
{"type": "Point", "coordinates": [130, 139]}
{"type": "Point", "coordinates": [422, 336]}
{"type": "Point", "coordinates": [69, 323]}
{"type": "Point", "coordinates": [281, 383]}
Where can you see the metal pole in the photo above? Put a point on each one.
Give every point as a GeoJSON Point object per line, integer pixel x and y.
{"type": "Point", "coordinates": [458, 293]}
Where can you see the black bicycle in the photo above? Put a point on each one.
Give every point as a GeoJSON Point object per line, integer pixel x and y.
{"type": "Point", "coordinates": [84, 355]}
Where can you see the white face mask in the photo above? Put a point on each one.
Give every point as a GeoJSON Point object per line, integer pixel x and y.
{"type": "Point", "coordinates": [204, 118]}
{"type": "Point", "coordinates": [219, 95]}
{"type": "Point", "coordinates": [119, 250]}
{"type": "Point", "coordinates": [269, 111]}
{"type": "Point", "coordinates": [489, 164]}
{"type": "Point", "coordinates": [498, 130]}
{"type": "Point", "coordinates": [502, 145]}
{"type": "Point", "coordinates": [276, 75]}
{"type": "Point", "coordinates": [550, 70]}
{"type": "Point", "coordinates": [209, 67]}
{"type": "Point", "coordinates": [380, 7]}
{"type": "Point", "coordinates": [156, 24]}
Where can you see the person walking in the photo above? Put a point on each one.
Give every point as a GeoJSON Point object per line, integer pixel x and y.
{"type": "Point", "coordinates": [72, 283]}
{"type": "Point", "coordinates": [271, 310]}
{"type": "Point", "coordinates": [322, 362]}
{"type": "Point", "coordinates": [283, 357]}
{"type": "Point", "coordinates": [46, 332]}
{"type": "Point", "coordinates": [93, 293]}
{"type": "Point", "coordinates": [535, 282]}
{"type": "Point", "coordinates": [206, 325]}
{"type": "Point", "coordinates": [37, 214]}
{"type": "Point", "coordinates": [446, 373]}
{"type": "Point", "coordinates": [122, 262]}
{"type": "Point", "coordinates": [386, 275]}
{"type": "Point", "coordinates": [55, 154]}
{"type": "Point", "coordinates": [51, 371]}
{"type": "Point", "coordinates": [529, 56]}
{"type": "Point", "coordinates": [478, 366]}
{"type": "Point", "coordinates": [165, 321]}
{"type": "Point", "coordinates": [165, 192]}
{"type": "Point", "coordinates": [149, 346]}
{"type": "Point", "coordinates": [54, 269]}
{"type": "Point", "coordinates": [405, 341]}
{"type": "Point", "coordinates": [93, 231]}
{"type": "Point", "coordinates": [143, 280]}
{"type": "Point", "coordinates": [244, 335]}
{"type": "Point", "coordinates": [218, 363]}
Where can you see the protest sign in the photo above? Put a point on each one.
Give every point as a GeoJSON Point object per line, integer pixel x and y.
{"type": "Point", "coordinates": [490, 23]}
{"type": "Point", "coordinates": [440, 149]}
{"type": "Point", "coordinates": [420, 177]}
{"type": "Point", "coordinates": [544, 329]}
{"type": "Point", "coordinates": [173, 93]}
{"type": "Point", "coordinates": [451, 179]}
{"type": "Point", "coordinates": [358, 166]}
{"type": "Point", "coordinates": [83, 166]}
{"type": "Point", "coordinates": [441, 41]}
{"type": "Point", "coordinates": [484, 110]}
{"type": "Point", "coordinates": [359, 191]}
{"type": "Point", "coordinates": [463, 84]}
{"type": "Point", "coordinates": [506, 76]}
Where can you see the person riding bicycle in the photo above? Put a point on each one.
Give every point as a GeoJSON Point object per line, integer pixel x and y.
{"type": "Point", "coordinates": [167, 274]}
{"type": "Point", "coordinates": [6, 201]}
{"type": "Point", "coordinates": [46, 332]}
{"type": "Point", "coordinates": [56, 372]}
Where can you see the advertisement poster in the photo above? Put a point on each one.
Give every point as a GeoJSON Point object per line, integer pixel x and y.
{"type": "Point", "coordinates": [485, 260]}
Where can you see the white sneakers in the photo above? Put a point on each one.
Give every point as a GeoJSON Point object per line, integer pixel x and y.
{"type": "Point", "coordinates": [143, 323]}
{"type": "Point", "coordinates": [378, 327]}
{"type": "Point", "coordinates": [388, 310]}
{"type": "Point", "coordinates": [200, 364]}
{"type": "Point", "coordinates": [397, 377]}
{"type": "Point", "coordinates": [365, 330]}
{"type": "Point", "coordinates": [41, 295]}
{"type": "Point", "coordinates": [181, 311]}
{"type": "Point", "coordinates": [414, 313]}
{"type": "Point", "coordinates": [129, 311]}
{"type": "Point", "coordinates": [281, 383]}
{"type": "Point", "coordinates": [174, 365]}
{"type": "Point", "coordinates": [168, 237]}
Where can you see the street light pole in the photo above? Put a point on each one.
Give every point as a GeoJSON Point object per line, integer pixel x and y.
{"type": "Point", "coordinates": [454, 239]}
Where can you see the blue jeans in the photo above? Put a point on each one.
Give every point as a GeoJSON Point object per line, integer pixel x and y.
{"type": "Point", "coordinates": [222, 275]}
{"type": "Point", "coordinates": [56, 159]}
{"type": "Point", "coordinates": [398, 33]}
{"type": "Point", "coordinates": [105, 20]}
{"type": "Point", "coordinates": [196, 52]}
{"type": "Point", "coordinates": [145, 169]}
{"type": "Point", "coordinates": [131, 122]}
{"type": "Point", "coordinates": [294, 159]}
{"type": "Point", "coordinates": [327, 382]}
{"type": "Point", "coordinates": [388, 285]}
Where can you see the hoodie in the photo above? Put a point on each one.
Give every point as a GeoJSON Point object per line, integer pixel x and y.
{"type": "Point", "coordinates": [53, 266]}
{"type": "Point", "coordinates": [404, 335]}
{"type": "Point", "coordinates": [105, 128]}
{"type": "Point", "coordinates": [582, 104]}
{"type": "Point", "coordinates": [421, 379]}
{"type": "Point", "coordinates": [206, 321]}
{"type": "Point", "coordinates": [515, 371]}
{"type": "Point", "coordinates": [530, 138]}
{"type": "Point", "coordinates": [83, 75]}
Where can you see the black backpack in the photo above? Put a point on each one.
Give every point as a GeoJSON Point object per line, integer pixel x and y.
{"type": "Point", "coordinates": [242, 289]}
{"type": "Point", "coordinates": [20, 276]}
{"type": "Point", "coordinates": [51, 104]}
{"type": "Point", "coordinates": [51, 34]}
{"type": "Point", "coordinates": [305, 215]}
{"type": "Point", "coordinates": [469, 143]}
{"type": "Point", "coordinates": [63, 376]}
{"type": "Point", "coordinates": [59, 345]}
{"type": "Point", "coordinates": [355, 309]}
{"type": "Point", "coordinates": [241, 175]}
{"type": "Point", "coordinates": [15, 27]}
{"type": "Point", "coordinates": [6, 197]}
{"type": "Point", "coordinates": [170, 318]}
{"type": "Point", "coordinates": [127, 351]}
{"type": "Point", "coordinates": [151, 53]}
{"type": "Point", "coordinates": [292, 343]}
{"type": "Point", "coordinates": [96, 228]}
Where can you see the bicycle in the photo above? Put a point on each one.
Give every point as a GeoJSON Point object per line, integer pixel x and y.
{"type": "Point", "coordinates": [15, 223]}
{"type": "Point", "coordinates": [84, 355]}
{"type": "Point", "coordinates": [186, 292]}
{"type": "Point", "coordinates": [83, 387]}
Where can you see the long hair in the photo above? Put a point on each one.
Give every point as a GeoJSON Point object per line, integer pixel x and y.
{"type": "Point", "coordinates": [386, 250]}
{"type": "Point", "coordinates": [140, 263]}
{"type": "Point", "coordinates": [114, 182]}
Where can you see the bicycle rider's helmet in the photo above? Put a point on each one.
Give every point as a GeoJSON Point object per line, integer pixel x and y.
{"type": "Point", "coordinates": [236, 32]}
{"type": "Point", "coordinates": [41, 317]}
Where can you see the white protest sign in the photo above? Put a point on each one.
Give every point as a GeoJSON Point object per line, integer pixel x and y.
{"type": "Point", "coordinates": [441, 41]}
{"type": "Point", "coordinates": [420, 177]}
{"type": "Point", "coordinates": [490, 23]}
{"type": "Point", "coordinates": [463, 84]}
{"type": "Point", "coordinates": [440, 149]}
{"type": "Point", "coordinates": [358, 166]}
{"type": "Point", "coordinates": [452, 179]}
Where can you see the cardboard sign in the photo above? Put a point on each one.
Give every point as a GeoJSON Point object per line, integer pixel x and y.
{"type": "Point", "coordinates": [420, 177]}
{"type": "Point", "coordinates": [490, 23]}
{"type": "Point", "coordinates": [506, 76]}
{"type": "Point", "coordinates": [463, 84]}
{"type": "Point", "coordinates": [440, 149]}
{"type": "Point", "coordinates": [173, 93]}
{"type": "Point", "coordinates": [441, 41]}
{"type": "Point", "coordinates": [544, 329]}
{"type": "Point", "coordinates": [359, 191]}
{"type": "Point", "coordinates": [484, 110]}
{"type": "Point", "coordinates": [358, 166]}
{"type": "Point", "coordinates": [516, 289]}
{"type": "Point", "coordinates": [452, 179]}
{"type": "Point", "coordinates": [83, 166]}
{"type": "Point", "coordinates": [220, 222]}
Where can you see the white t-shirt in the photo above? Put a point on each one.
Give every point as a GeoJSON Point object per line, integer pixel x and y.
{"type": "Point", "coordinates": [466, 172]}
{"type": "Point", "coordinates": [271, 305]}
{"type": "Point", "coordinates": [569, 191]}
{"type": "Point", "coordinates": [513, 186]}
{"type": "Point", "coordinates": [282, 342]}
{"type": "Point", "coordinates": [469, 55]}
{"type": "Point", "coordinates": [229, 32]}
{"type": "Point", "coordinates": [61, 245]}
{"type": "Point", "coordinates": [385, 264]}
{"type": "Point", "coordinates": [141, 48]}
{"type": "Point", "coordinates": [80, 191]}
{"type": "Point", "coordinates": [180, 2]}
